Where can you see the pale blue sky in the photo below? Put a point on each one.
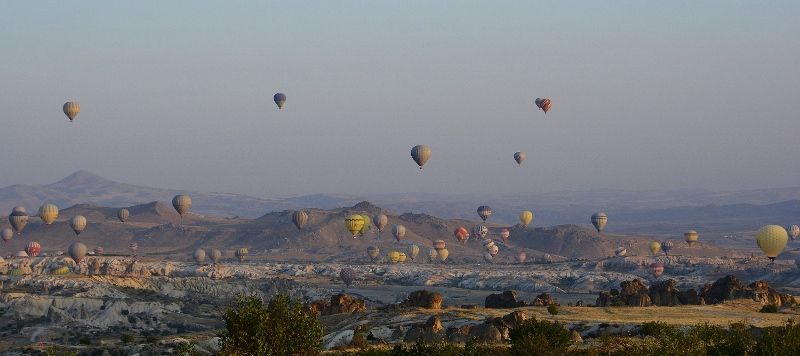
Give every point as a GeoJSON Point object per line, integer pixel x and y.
{"type": "Point", "coordinates": [646, 95]}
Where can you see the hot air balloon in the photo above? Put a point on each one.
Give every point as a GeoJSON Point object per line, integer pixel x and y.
{"type": "Point", "coordinates": [655, 247]}
{"type": "Point", "coordinates": [21, 254]}
{"type": "Point", "coordinates": [199, 255]}
{"type": "Point", "coordinates": [487, 257]}
{"type": "Point", "coordinates": [71, 109]}
{"type": "Point", "coordinates": [280, 98]}
{"type": "Point", "coordinates": [480, 232]}
{"type": "Point", "coordinates": [123, 215]}
{"type": "Point", "coordinates": [7, 234]}
{"type": "Point", "coordinates": [98, 250]}
{"type": "Point", "coordinates": [519, 157]}
{"type": "Point", "coordinates": [772, 239]}
{"type": "Point", "coordinates": [420, 154]}
{"type": "Point", "coordinates": [504, 234]}
{"type": "Point", "coordinates": [525, 217]}
{"type": "Point", "coordinates": [620, 251]}
{"type": "Point", "coordinates": [33, 249]}
{"type": "Point", "coordinates": [215, 255]}
{"type": "Point", "coordinates": [398, 231]}
{"type": "Point", "coordinates": [544, 104]}
{"type": "Point", "coordinates": [487, 244]}
{"type": "Point", "coordinates": [59, 270]}
{"type": "Point", "coordinates": [134, 246]}
{"type": "Point", "coordinates": [438, 245]}
{"type": "Point", "coordinates": [365, 227]}
{"type": "Point", "coordinates": [599, 221]}
{"type": "Point", "coordinates": [401, 257]}
{"type": "Point", "coordinates": [77, 223]}
{"type": "Point", "coordinates": [241, 253]}
{"type": "Point", "coordinates": [353, 223]}
{"type": "Point", "coordinates": [443, 254]}
{"type": "Point", "coordinates": [181, 203]}
{"type": "Point", "coordinates": [299, 218]}
{"type": "Point", "coordinates": [48, 213]}
{"type": "Point", "coordinates": [380, 221]}
{"type": "Point", "coordinates": [494, 250]}
{"type": "Point", "coordinates": [77, 251]}
{"type": "Point", "coordinates": [521, 256]}
{"type": "Point", "coordinates": [16, 271]}
{"type": "Point", "coordinates": [18, 218]}
{"type": "Point", "coordinates": [432, 254]}
{"type": "Point", "coordinates": [666, 246]}
{"type": "Point", "coordinates": [690, 237]}
{"type": "Point", "coordinates": [413, 251]}
{"type": "Point", "coordinates": [373, 252]}
{"type": "Point", "coordinates": [793, 231]}
{"type": "Point", "coordinates": [461, 234]}
{"type": "Point", "coordinates": [484, 212]}
{"type": "Point", "coordinates": [656, 269]}
{"type": "Point", "coordinates": [393, 257]}
{"type": "Point", "coordinates": [347, 275]}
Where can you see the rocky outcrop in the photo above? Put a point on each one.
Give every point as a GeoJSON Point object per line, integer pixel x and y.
{"type": "Point", "coordinates": [344, 304]}
{"type": "Point", "coordinates": [543, 300]}
{"type": "Point", "coordinates": [486, 333]}
{"type": "Point", "coordinates": [507, 299]}
{"type": "Point", "coordinates": [730, 288]}
{"type": "Point", "coordinates": [633, 293]}
{"type": "Point", "coordinates": [424, 299]}
{"type": "Point", "coordinates": [431, 330]}
{"type": "Point", "coordinates": [665, 294]}
{"type": "Point", "coordinates": [317, 307]}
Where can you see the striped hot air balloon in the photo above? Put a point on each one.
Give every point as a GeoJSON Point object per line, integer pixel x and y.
{"type": "Point", "coordinates": [690, 237]}
{"type": "Point", "coordinates": [439, 245]}
{"type": "Point", "coordinates": [484, 211]}
{"type": "Point", "coordinates": [33, 248]}
{"type": "Point", "coordinates": [98, 250]}
{"type": "Point", "coordinates": [48, 213]}
{"type": "Point", "coordinates": [599, 221]}
{"type": "Point", "coordinates": [543, 104]}
{"type": "Point", "coordinates": [71, 109]}
{"type": "Point", "coordinates": [461, 234]}
{"type": "Point", "coordinates": [420, 154]}
{"type": "Point", "coordinates": [504, 234]}
{"type": "Point", "coordinates": [299, 219]}
{"type": "Point", "coordinates": [123, 214]}
{"type": "Point", "coordinates": [181, 203]}
{"type": "Point", "coordinates": [793, 231]}
{"type": "Point", "coordinates": [241, 253]}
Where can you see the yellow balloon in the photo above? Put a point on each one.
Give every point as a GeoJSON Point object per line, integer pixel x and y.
{"type": "Point", "coordinates": [48, 213]}
{"type": "Point", "coordinates": [393, 256]}
{"type": "Point", "coordinates": [71, 109]}
{"type": "Point", "coordinates": [443, 254]}
{"type": "Point", "coordinates": [772, 239]}
{"type": "Point", "coordinates": [401, 257]}
{"type": "Point", "coordinates": [690, 237]}
{"type": "Point", "coordinates": [354, 223]}
{"type": "Point", "coordinates": [365, 227]}
{"type": "Point", "coordinates": [526, 217]}
{"type": "Point", "coordinates": [655, 247]}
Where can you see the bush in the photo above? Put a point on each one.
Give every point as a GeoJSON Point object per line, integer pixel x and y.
{"type": "Point", "coordinates": [127, 338]}
{"type": "Point", "coordinates": [619, 303]}
{"type": "Point", "coordinates": [658, 328]}
{"type": "Point", "coordinates": [282, 328]}
{"type": "Point", "coordinates": [539, 337]}
{"type": "Point", "coordinates": [85, 340]}
{"type": "Point", "coordinates": [552, 309]}
{"type": "Point", "coordinates": [769, 308]}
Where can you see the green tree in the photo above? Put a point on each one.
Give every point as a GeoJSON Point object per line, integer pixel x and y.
{"type": "Point", "coordinates": [282, 328]}
{"type": "Point", "coordinates": [539, 337]}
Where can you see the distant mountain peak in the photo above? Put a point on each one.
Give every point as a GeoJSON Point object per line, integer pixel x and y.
{"type": "Point", "coordinates": [82, 177]}
{"type": "Point", "coordinates": [365, 205]}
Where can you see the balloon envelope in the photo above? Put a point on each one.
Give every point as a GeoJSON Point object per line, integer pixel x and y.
{"type": "Point", "coordinates": [77, 251]}
{"type": "Point", "coordinates": [98, 250]}
{"type": "Point", "coordinates": [48, 213]}
{"type": "Point", "coordinates": [432, 254]}
{"type": "Point", "coordinates": [690, 237]}
{"type": "Point", "coordinates": [439, 245]}
{"type": "Point", "coordinates": [521, 256]}
{"type": "Point", "coordinates": [654, 247]}
{"type": "Point", "coordinates": [420, 154]}
{"type": "Point", "coordinates": [519, 157]}
{"type": "Point", "coordinates": [199, 255]}
{"type": "Point", "coordinates": [398, 231]}
{"type": "Point", "coordinates": [373, 252]}
{"type": "Point", "coordinates": [666, 246]}
{"type": "Point", "coordinates": [443, 254]}
{"type": "Point", "coordinates": [487, 257]}
{"type": "Point", "coordinates": [525, 217]}
{"type": "Point", "coordinates": [504, 234]}
{"type": "Point", "coordinates": [656, 269]}
{"type": "Point", "coordinates": [480, 232]}
{"type": "Point", "coordinates": [123, 215]}
{"type": "Point", "coordinates": [18, 218]}
{"type": "Point", "coordinates": [241, 253]}
{"type": "Point", "coordinates": [484, 211]}
{"type": "Point", "coordinates": [413, 251]}
{"type": "Point", "coordinates": [134, 246]}
{"type": "Point", "coordinates": [365, 227]}
{"type": "Point", "coordinates": [299, 219]}
{"type": "Point", "coordinates": [620, 251]}
{"type": "Point", "coordinates": [544, 104]}
{"type": "Point", "coordinates": [7, 234]}
{"type": "Point", "coordinates": [71, 109]}
{"type": "Point", "coordinates": [771, 239]}
{"type": "Point", "coordinates": [33, 248]}
{"type": "Point", "coordinates": [380, 221]}
{"type": "Point", "coordinates": [353, 223]}
{"type": "Point", "coordinates": [461, 234]}
{"type": "Point", "coordinates": [77, 223]}
{"type": "Point", "coordinates": [215, 255]}
{"type": "Point", "coordinates": [599, 221]}
{"type": "Point", "coordinates": [181, 203]}
{"type": "Point", "coordinates": [393, 257]}
{"type": "Point", "coordinates": [280, 98]}
{"type": "Point", "coordinates": [347, 275]}
{"type": "Point", "coordinates": [793, 231]}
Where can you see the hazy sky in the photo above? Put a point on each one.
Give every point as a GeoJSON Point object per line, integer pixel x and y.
{"type": "Point", "coordinates": [646, 94]}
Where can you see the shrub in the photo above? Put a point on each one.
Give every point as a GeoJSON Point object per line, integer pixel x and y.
{"type": "Point", "coordinates": [658, 328]}
{"type": "Point", "coordinates": [127, 338]}
{"type": "Point", "coordinates": [769, 308]}
{"type": "Point", "coordinates": [359, 341]}
{"type": "Point", "coordinates": [539, 337]}
{"type": "Point", "coordinates": [552, 309]}
{"type": "Point", "coordinates": [619, 303]}
{"type": "Point", "coordinates": [85, 340]}
{"type": "Point", "coordinates": [282, 328]}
